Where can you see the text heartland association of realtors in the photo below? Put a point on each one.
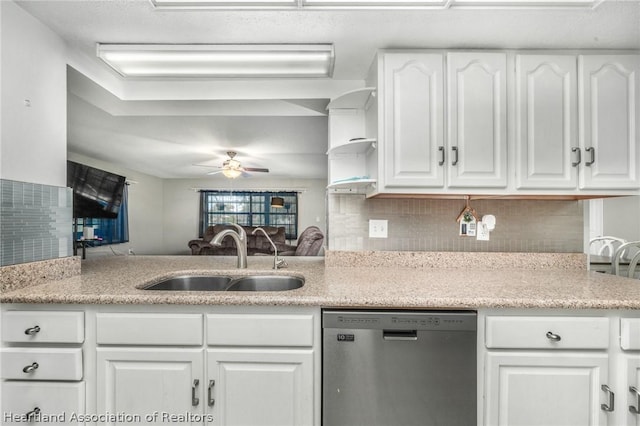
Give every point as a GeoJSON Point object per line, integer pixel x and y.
{"type": "Point", "coordinates": [119, 417]}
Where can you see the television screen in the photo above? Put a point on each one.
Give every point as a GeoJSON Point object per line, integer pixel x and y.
{"type": "Point", "coordinates": [96, 193]}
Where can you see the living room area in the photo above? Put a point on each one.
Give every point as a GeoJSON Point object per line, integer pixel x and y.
{"type": "Point", "coordinates": [164, 214]}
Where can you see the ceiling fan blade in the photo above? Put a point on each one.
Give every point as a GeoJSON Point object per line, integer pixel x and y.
{"type": "Point", "coordinates": [206, 165]}
{"type": "Point", "coordinates": [215, 173]}
{"type": "Point", "coordinates": [255, 169]}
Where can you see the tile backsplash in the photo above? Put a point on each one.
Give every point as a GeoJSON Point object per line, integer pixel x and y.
{"type": "Point", "coordinates": [548, 226]}
{"type": "Point", "coordinates": [35, 222]}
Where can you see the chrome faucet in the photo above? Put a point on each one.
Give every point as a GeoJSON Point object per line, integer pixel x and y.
{"type": "Point", "coordinates": [240, 237]}
{"type": "Point", "coordinates": [277, 263]}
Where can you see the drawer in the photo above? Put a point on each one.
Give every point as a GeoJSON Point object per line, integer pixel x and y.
{"type": "Point", "coordinates": [630, 334]}
{"type": "Point", "coordinates": [41, 363]}
{"type": "Point", "coordinates": [260, 330]}
{"type": "Point", "coordinates": [57, 402]}
{"type": "Point", "coordinates": [149, 329]}
{"type": "Point", "coordinates": [42, 327]}
{"type": "Point", "coordinates": [505, 332]}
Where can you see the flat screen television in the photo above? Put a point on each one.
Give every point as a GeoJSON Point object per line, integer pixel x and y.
{"type": "Point", "coordinates": [96, 193]}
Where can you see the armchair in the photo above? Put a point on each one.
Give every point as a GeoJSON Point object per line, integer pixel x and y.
{"type": "Point", "coordinates": [309, 244]}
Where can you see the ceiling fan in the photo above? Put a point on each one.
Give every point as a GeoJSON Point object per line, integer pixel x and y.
{"type": "Point", "coordinates": [232, 168]}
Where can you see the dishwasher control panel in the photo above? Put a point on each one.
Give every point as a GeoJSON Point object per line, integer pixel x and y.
{"type": "Point", "coordinates": [410, 320]}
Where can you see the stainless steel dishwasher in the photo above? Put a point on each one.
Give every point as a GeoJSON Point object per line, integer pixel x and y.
{"type": "Point", "coordinates": [400, 368]}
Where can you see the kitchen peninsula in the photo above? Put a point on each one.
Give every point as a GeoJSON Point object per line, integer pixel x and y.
{"type": "Point", "coordinates": [227, 348]}
{"type": "Point", "coordinates": [444, 280]}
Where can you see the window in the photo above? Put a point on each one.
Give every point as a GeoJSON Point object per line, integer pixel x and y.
{"type": "Point", "coordinates": [249, 209]}
{"type": "Point", "coordinates": [107, 231]}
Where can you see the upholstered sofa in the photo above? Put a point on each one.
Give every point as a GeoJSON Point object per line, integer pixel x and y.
{"type": "Point", "coordinates": [309, 244]}
{"type": "Point", "coordinates": [256, 244]}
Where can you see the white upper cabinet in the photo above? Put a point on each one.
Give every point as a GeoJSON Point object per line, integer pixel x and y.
{"type": "Point", "coordinates": [609, 89]}
{"type": "Point", "coordinates": [477, 119]}
{"type": "Point", "coordinates": [413, 119]}
{"type": "Point", "coordinates": [546, 145]}
{"type": "Point", "coordinates": [437, 122]}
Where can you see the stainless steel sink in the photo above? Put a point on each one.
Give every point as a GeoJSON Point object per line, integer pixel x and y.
{"type": "Point", "coordinates": [193, 283]}
{"type": "Point", "coordinates": [226, 283]}
{"type": "Point", "coordinates": [266, 283]}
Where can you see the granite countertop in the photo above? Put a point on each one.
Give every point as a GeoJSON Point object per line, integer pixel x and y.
{"type": "Point", "coordinates": [391, 280]}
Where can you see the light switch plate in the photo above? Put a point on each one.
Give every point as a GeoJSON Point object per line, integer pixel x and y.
{"type": "Point", "coordinates": [378, 228]}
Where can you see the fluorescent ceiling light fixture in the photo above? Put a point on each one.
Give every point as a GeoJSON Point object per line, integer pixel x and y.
{"type": "Point", "coordinates": [234, 4]}
{"type": "Point", "coordinates": [219, 60]}
{"type": "Point", "coordinates": [372, 4]}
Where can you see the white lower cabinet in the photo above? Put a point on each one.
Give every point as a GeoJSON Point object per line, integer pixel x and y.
{"type": "Point", "coordinates": [42, 366]}
{"type": "Point", "coordinates": [564, 368]}
{"type": "Point", "coordinates": [261, 386]}
{"type": "Point", "coordinates": [546, 389]}
{"type": "Point", "coordinates": [42, 403]}
{"type": "Point", "coordinates": [632, 389]}
{"type": "Point", "coordinates": [151, 385]}
{"type": "Point", "coordinates": [253, 367]}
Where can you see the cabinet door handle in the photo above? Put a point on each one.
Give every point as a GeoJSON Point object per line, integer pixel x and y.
{"type": "Point", "coordinates": [577, 163]}
{"type": "Point", "coordinates": [612, 397]}
{"type": "Point", "coordinates": [553, 336]}
{"type": "Point", "coordinates": [31, 414]}
{"type": "Point", "coordinates": [454, 149]}
{"type": "Point", "coordinates": [634, 390]}
{"type": "Point", "coordinates": [194, 400]}
{"type": "Point", "coordinates": [441, 151]}
{"type": "Point", "coordinates": [210, 399]}
{"type": "Point", "coordinates": [30, 368]}
{"type": "Point", "coordinates": [32, 330]}
{"type": "Point", "coordinates": [591, 151]}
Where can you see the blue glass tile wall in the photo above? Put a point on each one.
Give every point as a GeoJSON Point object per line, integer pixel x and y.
{"type": "Point", "coordinates": [35, 222]}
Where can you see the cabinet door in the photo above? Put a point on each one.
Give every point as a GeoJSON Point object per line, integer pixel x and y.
{"type": "Point", "coordinates": [477, 125]}
{"type": "Point", "coordinates": [261, 387]}
{"type": "Point", "coordinates": [545, 389]}
{"type": "Point", "coordinates": [609, 89]}
{"type": "Point", "coordinates": [413, 120]}
{"type": "Point", "coordinates": [633, 380]}
{"type": "Point", "coordinates": [140, 382]}
{"type": "Point", "coordinates": [546, 122]}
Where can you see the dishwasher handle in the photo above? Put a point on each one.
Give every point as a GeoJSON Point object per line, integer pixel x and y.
{"type": "Point", "coordinates": [400, 334]}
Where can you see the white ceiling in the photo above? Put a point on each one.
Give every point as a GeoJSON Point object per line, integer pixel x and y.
{"type": "Point", "coordinates": [165, 138]}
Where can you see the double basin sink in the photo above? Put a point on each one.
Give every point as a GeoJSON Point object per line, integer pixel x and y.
{"type": "Point", "coordinates": [227, 283]}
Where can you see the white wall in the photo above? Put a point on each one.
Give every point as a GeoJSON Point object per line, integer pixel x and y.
{"type": "Point", "coordinates": [146, 229]}
{"type": "Point", "coordinates": [181, 204]}
{"type": "Point", "coordinates": [33, 139]}
{"type": "Point", "coordinates": [621, 217]}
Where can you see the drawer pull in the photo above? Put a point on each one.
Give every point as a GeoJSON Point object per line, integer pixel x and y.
{"type": "Point", "coordinates": [553, 336]}
{"type": "Point", "coordinates": [30, 368]}
{"type": "Point", "coordinates": [634, 390]}
{"type": "Point", "coordinates": [610, 406]}
{"type": "Point", "coordinates": [33, 413]}
{"type": "Point", "coordinates": [194, 400]}
{"type": "Point", "coordinates": [211, 401]}
{"type": "Point", "coordinates": [32, 330]}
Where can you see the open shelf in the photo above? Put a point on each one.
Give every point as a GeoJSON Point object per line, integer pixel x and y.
{"type": "Point", "coordinates": [353, 147]}
{"type": "Point", "coordinates": [355, 99]}
{"type": "Point", "coordinates": [356, 184]}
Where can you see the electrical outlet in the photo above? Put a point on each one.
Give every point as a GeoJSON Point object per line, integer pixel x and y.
{"type": "Point", "coordinates": [378, 228]}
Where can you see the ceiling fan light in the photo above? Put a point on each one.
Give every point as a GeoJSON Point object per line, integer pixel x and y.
{"type": "Point", "coordinates": [277, 202]}
{"type": "Point", "coordinates": [231, 173]}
